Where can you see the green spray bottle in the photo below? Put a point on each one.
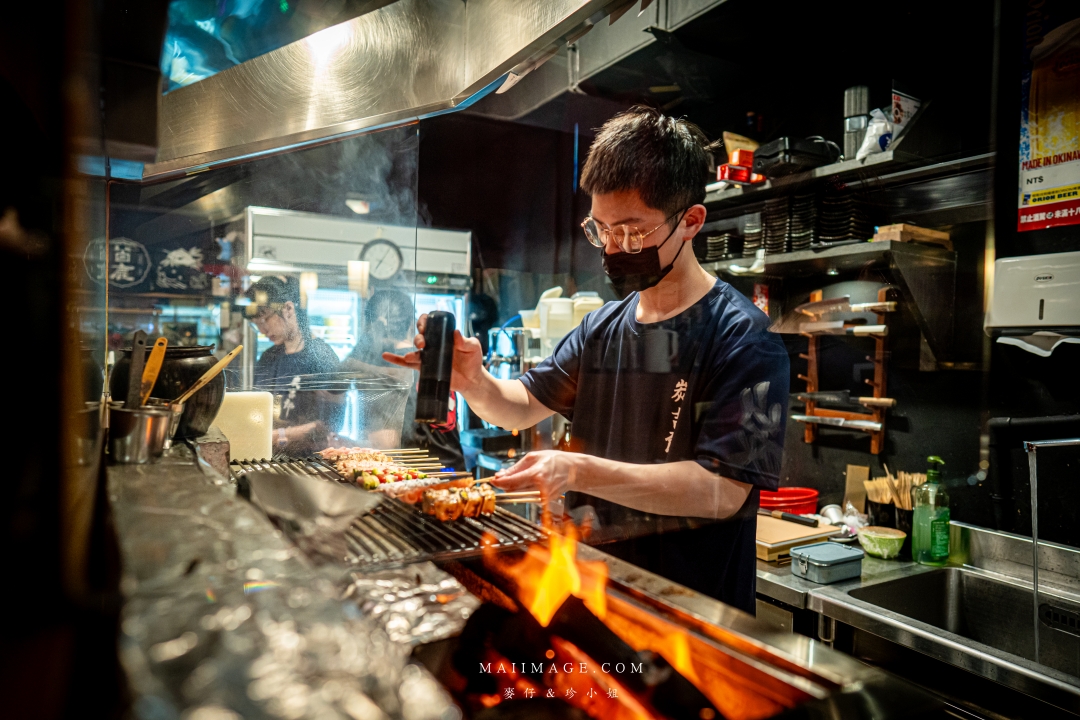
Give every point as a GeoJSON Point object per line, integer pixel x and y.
{"type": "Point", "coordinates": [930, 524]}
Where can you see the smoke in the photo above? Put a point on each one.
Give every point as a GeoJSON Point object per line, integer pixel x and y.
{"type": "Point", "coordinates": [378, 169]}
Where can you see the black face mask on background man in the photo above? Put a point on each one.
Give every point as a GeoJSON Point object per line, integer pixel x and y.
{"type": "Point", "coordinates": [634, 272]}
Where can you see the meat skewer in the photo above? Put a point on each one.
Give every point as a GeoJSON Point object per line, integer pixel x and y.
{"type": "Point", "coordinates": [453, 503]}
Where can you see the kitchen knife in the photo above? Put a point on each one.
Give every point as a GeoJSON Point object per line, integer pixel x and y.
{"type": "Point", "coordinates": [135, 370]}
{"type": "Point", "coordinates": [843, 397]}
{"type": "Point", "coordinates": [843, 304]}
{"type": "Point", "coordinates": [790, 517]}
{"type": "Point", "coordinates": [838, 422]}
{"type": "Point", "coordinates": [821, 307]}
{"type": "Point", "coordinates": [837, 327]}
{"type": "Point", "coordinates": [153, 367]}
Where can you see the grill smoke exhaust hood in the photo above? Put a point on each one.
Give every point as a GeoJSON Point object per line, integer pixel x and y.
{"type": "Point", "coordinates": [401, 62]}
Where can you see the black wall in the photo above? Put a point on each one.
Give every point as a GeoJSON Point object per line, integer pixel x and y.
{"type": "Point", "coordinates": [512, 185]}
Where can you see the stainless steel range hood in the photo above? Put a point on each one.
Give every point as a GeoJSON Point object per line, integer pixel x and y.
{"type": "Point", "coordinates": [396, 64]}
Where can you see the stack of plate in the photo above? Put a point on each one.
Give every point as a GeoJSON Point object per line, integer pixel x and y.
{"type": "Point", "coordinates": [725, 244]}
{"type": "Point", "coordinates": [752, 236]}
{"type": "Point", "coordinates": [803, 220]}
{"type": "Point", "coordinates": [841, 217]}
{"type": "Point", "coordinates": [776, 220]}
{"type": "Point", "coordinates": [752, 242]}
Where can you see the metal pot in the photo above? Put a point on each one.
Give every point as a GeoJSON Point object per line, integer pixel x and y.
{"type": "Point", "coordinates": [184, 364]}
{"type": "Point", "coordinates": [137, 436]}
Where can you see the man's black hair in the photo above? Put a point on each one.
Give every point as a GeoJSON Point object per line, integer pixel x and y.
{"type": "Point", "coordinates": [665, 159]}
{"type": "Point", "coordinates": [397, 308]}
{"type": "Point", "coordinates": [272, 292]}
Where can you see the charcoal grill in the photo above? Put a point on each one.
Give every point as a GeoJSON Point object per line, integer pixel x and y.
{"type": "Point", "coordinates": [396, 533]}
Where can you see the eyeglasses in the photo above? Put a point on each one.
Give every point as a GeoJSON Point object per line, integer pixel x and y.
{"type": "Point", "coordinates": [628, 238]}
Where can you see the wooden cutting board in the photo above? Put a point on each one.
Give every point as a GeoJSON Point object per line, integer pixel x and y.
{"type": "Point", "coordinates": [776, 537]}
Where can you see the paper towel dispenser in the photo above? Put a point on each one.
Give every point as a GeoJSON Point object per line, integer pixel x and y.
{"type": "Point", "coordinates": [1036, 302]}
{"type": "Point", "coordinates": [1035, 292]}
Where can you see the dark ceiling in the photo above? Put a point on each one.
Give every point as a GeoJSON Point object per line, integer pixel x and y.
{"type": "Point", "coordinates": [789, 63]}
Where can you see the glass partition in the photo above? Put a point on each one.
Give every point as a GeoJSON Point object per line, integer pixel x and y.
{"type": "Point", "coordinates": [89, 293]}
{"type": "Point", "coordinates": [312, 261]}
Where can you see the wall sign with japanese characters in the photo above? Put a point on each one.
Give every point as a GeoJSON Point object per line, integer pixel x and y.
{"type": "Point", "coordinates": [124, 261]}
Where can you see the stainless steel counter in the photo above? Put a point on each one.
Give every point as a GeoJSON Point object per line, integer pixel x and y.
{"type": "Point", "coordinates": [222, 610]}
{"type": "Point", "coordinates": [857, 690]}
{"type": "Point", "coordinates": [975, 614]}
{"type": "Point", "coordinates": [777, 582]}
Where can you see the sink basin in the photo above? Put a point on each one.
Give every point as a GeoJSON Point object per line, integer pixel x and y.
{"type": "Point", "coordinates": [980, 608]}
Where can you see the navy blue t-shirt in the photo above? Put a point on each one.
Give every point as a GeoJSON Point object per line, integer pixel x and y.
{"type": "Point", "coordinates": [708, 385]}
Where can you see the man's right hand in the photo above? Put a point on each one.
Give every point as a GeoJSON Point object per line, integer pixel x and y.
{"type": "Point", "coordinates": [468, 359]}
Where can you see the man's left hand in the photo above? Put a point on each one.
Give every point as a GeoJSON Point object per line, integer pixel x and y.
{"type": "Point", "coordinates": [552, 472]}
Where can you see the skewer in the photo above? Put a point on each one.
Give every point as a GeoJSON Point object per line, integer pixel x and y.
{"type": "Point", "coordinates": [519, 493]}
{"type": "Point", "coordinates": [518, 501]}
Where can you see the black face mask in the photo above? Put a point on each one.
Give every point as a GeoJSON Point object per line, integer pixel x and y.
{"type": "Point", "coordinates": [634, 272]}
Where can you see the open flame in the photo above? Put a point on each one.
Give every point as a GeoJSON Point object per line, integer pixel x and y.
{"type": "Point", "coordinates": [546, 577]}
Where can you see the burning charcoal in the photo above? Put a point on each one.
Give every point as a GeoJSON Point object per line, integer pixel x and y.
{"type": "Point", "coordinates": [674, 695]}
{"type": "Point", "coordinates": [588, 632]}
{"type": "Point", "coordinates": [534, 709]}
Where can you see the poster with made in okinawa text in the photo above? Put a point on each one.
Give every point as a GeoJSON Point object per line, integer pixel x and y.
{"type": "Point", "coordinates": [1050, 116]}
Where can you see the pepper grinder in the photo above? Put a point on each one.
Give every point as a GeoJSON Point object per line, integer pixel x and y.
{"type": "Point", "coordinates": [436, 365]}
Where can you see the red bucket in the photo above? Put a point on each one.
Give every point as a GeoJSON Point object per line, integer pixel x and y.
{"type": "Point", "coordinates": [797, 500]}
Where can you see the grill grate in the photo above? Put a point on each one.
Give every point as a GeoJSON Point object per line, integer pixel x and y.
{"type": "Point", "coordinates": [395, 533]}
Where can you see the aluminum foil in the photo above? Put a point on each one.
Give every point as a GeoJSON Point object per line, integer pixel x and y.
{"type": "Point", "coordinates": [224, 618]}
{"type": "Point", "coordinates": [413, 605]}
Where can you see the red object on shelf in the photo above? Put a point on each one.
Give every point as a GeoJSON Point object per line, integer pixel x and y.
{"type": "Point", "coordinates": [742, 159]}
{"type": "Point", "coordinates": [797, 500]}
{"type": "Point", "coordinates": [738, 174]}
{"type": "Point", "coordinates": [733, 174]}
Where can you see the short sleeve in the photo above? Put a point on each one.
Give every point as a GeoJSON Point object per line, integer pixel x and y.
{"type": "Point", "coordinates": [744, 412]}
{"type": "Point", "coordinates": [554, 381]}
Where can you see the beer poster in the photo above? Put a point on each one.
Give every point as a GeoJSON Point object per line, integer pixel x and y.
{"type": "Point", "coordinates": [1050, 117]}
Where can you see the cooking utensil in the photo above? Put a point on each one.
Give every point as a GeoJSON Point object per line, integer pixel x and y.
{"type": "Point", "coordinates": [175, 410]}
{"type": "Point", "coordinates": [184, 364]}
{"type": "Point", "coordinates": [137, 435]}
{"type": "Point", "coordinates": [152, 368]}
{"type": "Point", "coordinates": [775, 538]}
{"type": "Point", "coordinates": [821, 307]}
{"type": "Point", "coordinates": [208, 375]}
{"type": "Point", "coordinates": [133, 399]}
{"type": "Point", "coordinates": [790, 517]}
{"type": "Point", "coordinates": [838, 422]}
{"type": "Point", "coordinates": [843, 397]}
{"type": "Point", "coordinates": [436, 365]}
{"type": "Point", "coordinates": [837, 327]}
{"type": "Point", "coordinates": [843, 304]}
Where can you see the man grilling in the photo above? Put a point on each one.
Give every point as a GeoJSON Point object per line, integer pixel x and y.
{"type": "Point", "coordinates": [677, 394]}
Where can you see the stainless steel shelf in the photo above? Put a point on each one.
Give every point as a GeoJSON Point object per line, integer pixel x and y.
{"type": "Point", "coordinates": [924, 274]}
{"type": "Point", "coordinates": [844, 258]}
{"type": "Point", "coordinates": [880, 171]}
{"type": "Point", "coordinates": [754, 192]}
